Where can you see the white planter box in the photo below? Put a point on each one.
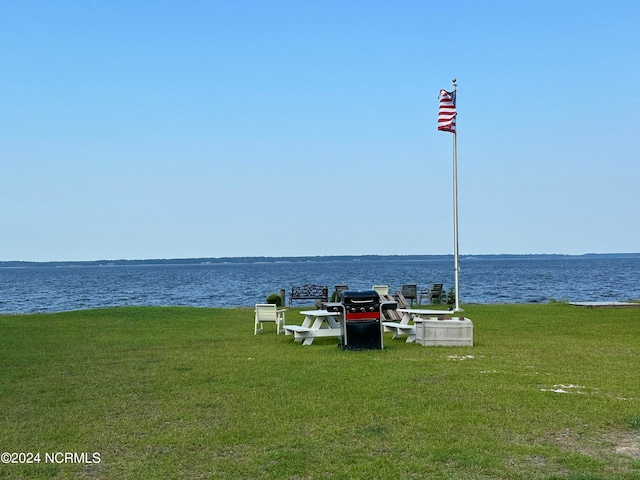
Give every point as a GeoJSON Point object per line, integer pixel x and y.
{"type": "Point", "coordinates": [447, 333]}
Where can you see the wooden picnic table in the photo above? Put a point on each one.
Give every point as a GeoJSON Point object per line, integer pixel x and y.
{"type": "Point", "coordinates": [317, 323]}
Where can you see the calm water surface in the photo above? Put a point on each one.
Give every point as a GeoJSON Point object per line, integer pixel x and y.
{"type": "Point", "coordinates": [51, 289]}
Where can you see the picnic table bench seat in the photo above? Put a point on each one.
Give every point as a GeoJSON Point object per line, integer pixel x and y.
{"type": "Point", "coordinates": [400, 329]}
{"type": "Point", "coordinates": [296, 328]}
{"type": "Point", "coordinates": [306, 335]}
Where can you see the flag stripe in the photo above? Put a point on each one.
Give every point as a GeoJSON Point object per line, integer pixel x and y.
{"type": "Point", "coordinates": [447, 112]}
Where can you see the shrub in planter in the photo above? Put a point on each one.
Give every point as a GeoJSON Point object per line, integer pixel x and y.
{"type": "Point", "coordinates": [451, 296]}
{"type": "Point", "coordinates": [275, 299]}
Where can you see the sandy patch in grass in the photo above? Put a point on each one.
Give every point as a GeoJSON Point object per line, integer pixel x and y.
{"type": "Point", "coordinates": [627, 444]}
{"type": "Point", "coordinates": [614, 443]}
{"type": "Point", "coordinates": [579, 389]}
{"type": "Point", "coordinates": [460, 357]}
{"type": "Point", "coordinates": [561, 388]}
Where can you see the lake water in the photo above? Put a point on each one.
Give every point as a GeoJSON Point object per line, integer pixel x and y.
{"type": "Point", "coordinates": [499, 280]}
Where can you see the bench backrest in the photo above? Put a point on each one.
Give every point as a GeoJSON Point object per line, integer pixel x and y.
{"type": "Point", "coordinates": [339, 290]}
{"type": "Point", "coordinates": [306, 292]}
{"type": "Point", "coordinates": [381, 289]}
{"type": "Point", "coordinates": [410, 291]}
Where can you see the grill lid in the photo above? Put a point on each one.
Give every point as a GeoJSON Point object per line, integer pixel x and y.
{"type": "Point", "coordinates": [360, 297]}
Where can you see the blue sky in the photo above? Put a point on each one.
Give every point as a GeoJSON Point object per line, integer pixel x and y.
{"type": "Point", "coordinates": [137, 129]}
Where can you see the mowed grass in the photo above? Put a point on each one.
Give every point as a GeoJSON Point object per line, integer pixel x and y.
{"type": "Point", "coordinates": [547, 391]}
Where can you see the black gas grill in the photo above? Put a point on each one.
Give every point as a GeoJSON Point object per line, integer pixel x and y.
{"type": "Point", "coordinates": [361, 315]}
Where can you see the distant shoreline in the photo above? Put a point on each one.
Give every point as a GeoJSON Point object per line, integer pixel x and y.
{"type": "Point", "coordinates": [325, 258]}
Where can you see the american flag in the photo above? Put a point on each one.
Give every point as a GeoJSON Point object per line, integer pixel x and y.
{"type": "Point", "coordinates": [447, 111]}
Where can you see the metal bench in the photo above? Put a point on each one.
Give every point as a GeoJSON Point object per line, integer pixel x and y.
{"type": "Point", "coordinates": [319, 293]}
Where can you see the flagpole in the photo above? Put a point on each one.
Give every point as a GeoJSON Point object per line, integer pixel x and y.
{"type": "Point", "coordinates": [456, 261]}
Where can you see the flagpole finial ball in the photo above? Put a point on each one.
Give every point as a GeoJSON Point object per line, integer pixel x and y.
{"type": "Point", "coordinates": [453, 80]}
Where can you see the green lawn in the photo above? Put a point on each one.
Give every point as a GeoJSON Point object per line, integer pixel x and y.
{"type": "Point", "coordinates": [547, 392]}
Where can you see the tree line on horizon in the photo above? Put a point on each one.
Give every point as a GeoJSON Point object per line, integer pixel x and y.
{"type": "Point", "coordinates": [303, 259]}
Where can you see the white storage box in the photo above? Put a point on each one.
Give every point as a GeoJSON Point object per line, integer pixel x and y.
{"type": "Point", "coordinates": [447, 333]}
